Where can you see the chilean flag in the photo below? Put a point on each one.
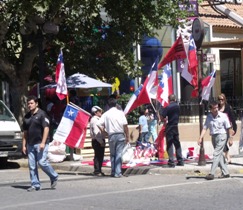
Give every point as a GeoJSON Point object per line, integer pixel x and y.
{"type": "Point", "coordinates": [193, 62]}
{"type": "Point", "coordinates": [72, 128]}
{"type": "Point", "coordinates": [189, 73]}
{"type": "Point", "coordinates": [192, 54]}
{"type": "Point", "coordinates": [165, 87]}
{"type": "Point", "coordinates": [133, 101]}
{"type": "Point", "coordinates": [145, 92]}
{"type": "Point", "coordinates": [207, 83]}
{"type": "Point", "coordinates": [61, 89]}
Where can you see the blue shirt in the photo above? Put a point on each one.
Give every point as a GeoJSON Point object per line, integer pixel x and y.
{"type": "Point", "coordinates": [144, 123]}
{"type": "Point", "coordinates": [218, 124]}
{"type": "Point", "coordinates": [172, 112]}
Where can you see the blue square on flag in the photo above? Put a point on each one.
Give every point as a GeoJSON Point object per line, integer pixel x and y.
{"type": "Point", "coordinates": [70, 113]}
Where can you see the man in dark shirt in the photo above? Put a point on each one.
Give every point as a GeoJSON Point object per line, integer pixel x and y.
{"type": "Point", "coordinates": [170, 115]}
{"type": "Point", "coordinates": [35, 143]}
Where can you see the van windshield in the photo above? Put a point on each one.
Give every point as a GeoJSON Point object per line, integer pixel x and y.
{"type": "Point", "coordinates": [5, 114]}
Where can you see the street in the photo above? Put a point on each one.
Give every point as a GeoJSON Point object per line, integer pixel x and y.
{"type": "Point", "coordinates": [159, 191]}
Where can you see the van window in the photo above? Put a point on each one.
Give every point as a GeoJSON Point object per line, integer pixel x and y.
{"type": "Point", "coordinates": [5, 114]}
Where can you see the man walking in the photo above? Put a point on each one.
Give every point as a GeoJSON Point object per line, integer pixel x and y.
{"type": "Point", "coordinates": [219, 126]}
{"type": "Point", "coordinates": [35, 143]}
{"type": "Point", "coordinates": [170, 116]}
{"type": "Point", "coordinates": [115, 124]}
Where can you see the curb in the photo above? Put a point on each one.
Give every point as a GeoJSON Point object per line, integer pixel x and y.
{"type": "Point", "coordinates": [74, 167]}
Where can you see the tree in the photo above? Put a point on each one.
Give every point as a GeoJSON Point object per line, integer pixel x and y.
{"type": "Point", "coordinates": [97, 37]}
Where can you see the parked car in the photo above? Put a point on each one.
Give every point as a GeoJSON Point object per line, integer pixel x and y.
{"type": "Point", "coordinates": [10, 135]}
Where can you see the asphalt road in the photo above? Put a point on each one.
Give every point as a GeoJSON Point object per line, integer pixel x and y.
{"type": "Point", "coordinates": [150, 191]}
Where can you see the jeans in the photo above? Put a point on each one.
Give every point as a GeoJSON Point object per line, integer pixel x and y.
{"type": "Point", "coordinates": [116, 145]}
{"type": "Point", "coordinates": [152, 126]}
{"type": "Point", "coordinates": [35, 155]}
{"type": "Point", "coordinates": [143, 137]}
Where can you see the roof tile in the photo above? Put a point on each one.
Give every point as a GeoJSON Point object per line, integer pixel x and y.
{"type": "Point", "coordinates": [210, 16]}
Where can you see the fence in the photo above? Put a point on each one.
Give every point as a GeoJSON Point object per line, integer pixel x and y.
{"type": "Point", "coordinates": [189, 109]}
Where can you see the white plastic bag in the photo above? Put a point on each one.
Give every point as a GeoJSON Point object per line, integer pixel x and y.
{"type": "Point", "coordinates": [127, 153]}
{"type": "Point", "coordinates": [56, 151]}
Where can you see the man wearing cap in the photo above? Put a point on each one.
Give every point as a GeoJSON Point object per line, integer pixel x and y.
{"type": "Point", "coordinates": [98, 140]}
{"type": "Point", "coordinates": [115, 124]}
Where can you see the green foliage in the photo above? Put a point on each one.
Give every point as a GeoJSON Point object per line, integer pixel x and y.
{"type": "Point", "coordinates": [97, 37]}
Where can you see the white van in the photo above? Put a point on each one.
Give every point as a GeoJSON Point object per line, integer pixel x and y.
{"type": "Point", "coordinates": [10, 135]}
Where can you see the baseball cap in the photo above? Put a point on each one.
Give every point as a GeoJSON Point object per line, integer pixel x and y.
{"type": "Point", "coordinates": [95, 109]}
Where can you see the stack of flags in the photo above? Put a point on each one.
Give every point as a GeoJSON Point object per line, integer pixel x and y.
{"type": "Point", "coordinates": [160, 91]}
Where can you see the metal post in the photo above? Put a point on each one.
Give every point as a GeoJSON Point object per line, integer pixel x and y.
{"type": "Point", "coordinates": [201, 160]}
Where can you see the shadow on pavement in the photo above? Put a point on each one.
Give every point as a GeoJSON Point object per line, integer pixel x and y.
{"type": "Point", "coordinates": [195, 177]}
{"type": "Point", "coordinates": [23, 187]}
{"type": "Point", "coordinates": [26, 187]}
{"type": "Point", "coordinates": [236, 164]}
{"type": "Point", "coordinates": [9, 165]}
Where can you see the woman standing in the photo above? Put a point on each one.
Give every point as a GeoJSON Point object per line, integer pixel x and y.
{"type": "Point", "coordinates": [226, 108]}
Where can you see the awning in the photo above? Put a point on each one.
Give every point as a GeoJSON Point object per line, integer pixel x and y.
{"type": "Point", "coordinates": [236, 43]}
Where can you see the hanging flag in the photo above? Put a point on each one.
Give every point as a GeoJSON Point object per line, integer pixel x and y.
{"type": "Point", "coordinates": [207, 83]}
{"type": "Point", "coordinates": [189, 73]}
{"type": "Point", "coordinates": [192, 54]}
{"type": "Point", "coordinates": [177, 51]}
{"type": "Point", "coordinates": [165, 87]}
{"type": "Point", "coordinates": [73, 125]}
{"type": "Point", "coordinates": [61, 89]}
{"type": "Point", "coordinates": [193, 62]}
{"type": "Point", "coordinates": [145, 92]}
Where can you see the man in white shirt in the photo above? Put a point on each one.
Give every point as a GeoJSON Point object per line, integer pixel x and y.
{"type": "Point", "coordinates": [115, 124]}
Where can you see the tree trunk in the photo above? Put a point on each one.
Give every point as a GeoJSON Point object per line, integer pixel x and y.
{"type": "Point", "coordinates": [18, 101]}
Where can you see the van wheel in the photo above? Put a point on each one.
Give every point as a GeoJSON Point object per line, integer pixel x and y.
{"type": "Point", "coordinates": [3, 162]}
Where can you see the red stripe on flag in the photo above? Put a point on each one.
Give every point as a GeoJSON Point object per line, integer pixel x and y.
{"type": "Point", "coordinates": [78, 130]}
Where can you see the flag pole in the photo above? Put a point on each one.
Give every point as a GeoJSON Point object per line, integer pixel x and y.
{"type": "Point", "coordinates": [67, 99]}
{"type": "Point", "coordinates": [201, 159]}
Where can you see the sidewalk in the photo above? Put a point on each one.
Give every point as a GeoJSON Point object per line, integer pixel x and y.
{"type": "Point", "coordinates": [74, 170]}
{"type": "Point", "coordinates": [76, 167]}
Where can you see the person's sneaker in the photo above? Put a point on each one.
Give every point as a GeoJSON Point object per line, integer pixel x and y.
{"type": "Point", "coordinates": [210, 177]}
{"type": "Point", "coordinates": [53, 184]}
{"type": "Point", "coordinates": [118, 176]}
{"type": "Point", "coordinates": [223, 176]}
{"type": "Point", "coordinates": [180, 163]}
{"type": "Point", "coordinates": [98, 174]}
{"type": "Point", "coordinates": [32, 189]}
{"type": "Point", "coordinates": [168, 166]}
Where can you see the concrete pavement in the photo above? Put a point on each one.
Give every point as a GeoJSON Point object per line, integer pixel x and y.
{"type": "Point", "coordinates": [76, 170]}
